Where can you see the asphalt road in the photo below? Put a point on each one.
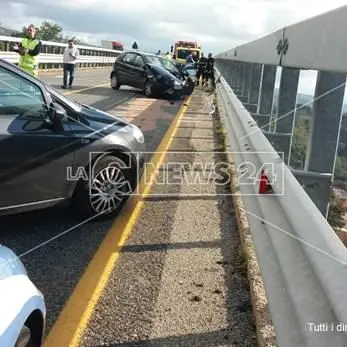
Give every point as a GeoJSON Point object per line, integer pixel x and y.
{"type": "Point", "coordinates": [53, 244]}
{"type": "Point", "coordinates": [170, 271]}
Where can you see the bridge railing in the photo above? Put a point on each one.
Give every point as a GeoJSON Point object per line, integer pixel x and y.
{"type": "Point", "coordinates": [51, 56]}
{"type": "Point", "coordinates": [302, 260]}
{"type": "Point", "coordinates": [314, 44]}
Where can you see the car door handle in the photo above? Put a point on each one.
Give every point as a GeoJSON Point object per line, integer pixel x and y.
{"type": "Point", "coordinates": [85, 140]}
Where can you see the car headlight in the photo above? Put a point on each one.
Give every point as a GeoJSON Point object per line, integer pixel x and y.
{"type": "Point", "coordinates": [138, 134]}
{"type": "Point", "coordinates": [177, 83]}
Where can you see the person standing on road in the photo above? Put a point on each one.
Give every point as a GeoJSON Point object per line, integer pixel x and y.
{"type": "Point", "coordinates": [201, 71]}
{"type": "Point", "coordinates": [168, 55]}
{"type": "Point", "coordinates": [71, 55]}
{"type": "Point", "coordinates": [210, 70]}
{"type": "Point", "coordinates": [29, 50]}
{"type": "Point", "coordinates": [190, 58]}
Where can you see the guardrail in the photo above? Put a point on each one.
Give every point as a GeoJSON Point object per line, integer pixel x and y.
{"type": "Point", "coordinates": [51, 56]}
{"type": "Point", "coordinates": [302, 260]}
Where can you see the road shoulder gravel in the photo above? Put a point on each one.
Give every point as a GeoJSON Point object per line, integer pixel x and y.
{"type": "Point", "coordinates": [181, 279]}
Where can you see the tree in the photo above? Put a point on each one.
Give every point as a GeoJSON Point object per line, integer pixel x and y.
{"type": "Point", "coordinates": [341, 168]}
{"type": "Point", "coordinates": [299, 144]}
{"type": "Point", "coordinates": [49, 32]}
{"type": "Point", "coordinates": [74, 38]}
{"type": "Point", "coordinates": [336, 212]}
{"type": "Point", "coordinates": [135, 46]}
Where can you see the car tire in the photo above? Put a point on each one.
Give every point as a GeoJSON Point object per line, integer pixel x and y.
{"type": "Point", "coordinates": [148, 89]}
{"type": "Point", "coordinates": [114, 82]}
{"type": "Point", "coordinates": [90, 198]}
{"type": "Point", "coordinates": [24, 338]}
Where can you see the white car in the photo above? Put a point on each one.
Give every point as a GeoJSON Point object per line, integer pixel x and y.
{"type": "Point", "coordinates": [23, 309]}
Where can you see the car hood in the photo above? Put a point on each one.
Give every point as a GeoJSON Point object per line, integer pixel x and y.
{"type": "Point", "coordinates": [163, 72]}
{"type": "Point", "coordinates": [101, 122]}
{"type": "Point", "coordinates": [10, 264]}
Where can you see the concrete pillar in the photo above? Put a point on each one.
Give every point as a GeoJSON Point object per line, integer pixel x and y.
{"type": "Point", "coordinates": [230, 72]}
{"type": "Point", "coordinates": [255, 84]}
{"type": "Point", "coordinates": [325, 123]}
{"type": "Point", "coordinates": [267, 89]}
{"type": "Point", "coordinates": [243, 77]}
{"type": "Point", "coordinates": [234, 74]}
{"type": "Point", "coordinates": [287, 100]}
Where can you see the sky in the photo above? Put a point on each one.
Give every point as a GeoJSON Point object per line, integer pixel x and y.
{"type": "Point", "coordinates": [217, 25]}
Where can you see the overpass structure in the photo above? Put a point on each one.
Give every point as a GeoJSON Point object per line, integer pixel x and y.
{"type": "Point", "coordinates": [302, 260]}
{"type": "Point", "coordinates": [51, 56]}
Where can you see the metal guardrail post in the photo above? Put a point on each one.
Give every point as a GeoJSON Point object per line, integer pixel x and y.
{"type": "Point", "coordinates": [244, 78]}
{"type": "Point", "coordinates": [247, 84]}
{"type": "Point", "coordinates": [263, 115]}
{"type": "Point", "coordinates": [255, 85]}
{"type": "Point", "coordinates": [239, 76]}
{"type": "Point", "coordinates": [317, 186]}
{"type": "Point", "coordinates": [267, 89]}
{"type": "Point", "coordinates": [324, 131]}
{"type": "Point", "coordinates": [229, 72]}
{"type": "Point", "coordinates": [287, 100]}
{"type": "Point", "coordinates": [233, 68]}
{"type": "Point", "coordinates": [326, 119]}
{"type": "Point", "coordinates": [253, 96]}
{"type": "Point", "coordinates": [285, 117]}
{"type": "Point", "coordinates": [281, 143]}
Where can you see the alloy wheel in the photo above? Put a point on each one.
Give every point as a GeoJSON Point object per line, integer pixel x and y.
{"type": "Point", "coordinates": [108, 189]}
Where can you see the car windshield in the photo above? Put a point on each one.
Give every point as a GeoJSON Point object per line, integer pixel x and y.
{"type": "Point", "coordinates": [183, 53]}
{"type": "Point", "coordinates": [162, 62]}
{"type": "Point", "coordinates": [168, 65]}
{"type": "Point", "coordinates": [153, 59]}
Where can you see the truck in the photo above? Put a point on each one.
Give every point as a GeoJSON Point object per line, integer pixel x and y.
{"type": "Point", "coordinates": [115, 45]}
{"type": "Point", "coordinates": [181, 50]}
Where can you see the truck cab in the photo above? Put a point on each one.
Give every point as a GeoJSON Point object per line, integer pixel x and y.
{"type": "Point", "coordinates": [181, 50]}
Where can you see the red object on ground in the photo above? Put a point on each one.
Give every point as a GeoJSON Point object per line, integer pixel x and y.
{"type": "Point", "coordinates": [264, 186]}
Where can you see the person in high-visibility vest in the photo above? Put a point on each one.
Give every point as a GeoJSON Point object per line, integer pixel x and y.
{"type": "Point", "coordinates": [168, 56]}
{"type": "Point", "coordinates": [29, 49]}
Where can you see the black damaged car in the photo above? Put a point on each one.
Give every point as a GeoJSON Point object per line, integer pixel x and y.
{"type": "Point", "coordinates": [145, 71]}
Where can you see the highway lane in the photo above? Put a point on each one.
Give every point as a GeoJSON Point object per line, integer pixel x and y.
{"type": "Point", "coordinates": [56, 266]}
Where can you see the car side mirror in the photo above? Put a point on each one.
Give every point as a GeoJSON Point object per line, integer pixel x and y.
{"type": "Point", "coordinates": [58, 113]}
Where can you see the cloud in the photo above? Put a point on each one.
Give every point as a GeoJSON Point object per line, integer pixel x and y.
{"type": "Point", "coordinates": [155, 24]}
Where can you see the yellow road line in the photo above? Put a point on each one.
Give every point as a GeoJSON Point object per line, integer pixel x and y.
{"type": "Point", "coordinates": [74, 318]}
{"type": "Point", "coordinates": [85, 89]}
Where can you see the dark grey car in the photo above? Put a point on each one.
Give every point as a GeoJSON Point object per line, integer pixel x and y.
{"type": "Point", "coordinates": [145, 71]}
{"type": "Point", "coordinates": [54, 150]}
